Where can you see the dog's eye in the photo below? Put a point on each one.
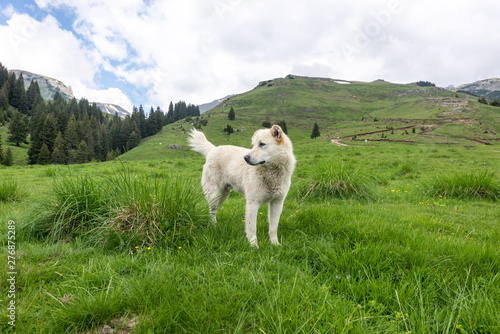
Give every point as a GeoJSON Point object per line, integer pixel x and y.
{"type": "Point", "coordinates": [262, 144]}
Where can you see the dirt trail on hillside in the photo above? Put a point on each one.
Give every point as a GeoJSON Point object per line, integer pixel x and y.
{"type": "Point", "coordinates": [337, 142]}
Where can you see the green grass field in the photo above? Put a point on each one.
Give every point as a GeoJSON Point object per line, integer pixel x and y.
{"type": "Point", "coordinates": [405, 258]}
{"type": "Point", "coordinates": [377, 236]}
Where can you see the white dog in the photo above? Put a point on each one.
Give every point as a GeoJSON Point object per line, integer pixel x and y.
{"type": "Point", "coordinates": [262, 174]}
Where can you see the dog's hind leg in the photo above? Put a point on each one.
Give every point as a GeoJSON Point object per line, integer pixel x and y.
{"type": "Point", "coordinates": [275, 208]}
{"type": "Point", "coordinates": [214, 202]}
{"type": "Point", "coordinates": [252, 208]}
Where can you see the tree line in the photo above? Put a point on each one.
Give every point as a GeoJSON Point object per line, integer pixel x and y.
{"type": "Point", "coordinates": [425, 84]}
{"type": "Point", "coordinates": [68, 132]}
{"type": "Point", "coordinates": [494, 102]}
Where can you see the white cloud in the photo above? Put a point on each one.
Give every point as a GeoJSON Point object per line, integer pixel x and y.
{"type": "Point", "coordinates": [43, 47]}
{"type": "Point", "coordinates": [110, 95]}
{"type": "Point", "coordinates": [201, 50]}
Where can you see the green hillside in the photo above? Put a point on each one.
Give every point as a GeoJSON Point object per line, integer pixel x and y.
{"type": "Point", "coordinates": [351, 112]}
{"type": "Point", "coordinates": [354, 112]}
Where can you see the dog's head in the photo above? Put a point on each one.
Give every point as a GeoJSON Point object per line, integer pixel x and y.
{"type": "Point", "coordinates": [266, 144]}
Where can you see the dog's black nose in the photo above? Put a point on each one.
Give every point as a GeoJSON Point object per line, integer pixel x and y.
{"type": "Point", "coordinates": [247, 158]}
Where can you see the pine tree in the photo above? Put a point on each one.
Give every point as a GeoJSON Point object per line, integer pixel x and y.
{"type": "Point", "coordinates": [44, 155]}
{"type": "Point", "coordinates": [125, 131]}
{"type": "Point", "coordinates": [134, 138]}
{"type": "Point", "coordinates": [1, 142]}
{"type": "Point", "coordinates": [18, 130]}
{"type": "Point", "coordinates": [72, 157]}
{"type": "Point", "coordinates": [267, 123]}
{"type": "Point", "coordinates": [72, 134]}
{"type": "Point", "coordinates": [83, 152]}
{"type": "Point", "coordinates": [36, 124]}
{"type": "Point", "coordinates": [4, 75]}
{"type": "Point", "coordinates": [38, 100]}
{"type": "Point", "coordinates": [162, 118]}
{"type": "Point", "coordinates": [19, 98]}
{"type": "Point", "coordinates": [61, 120]}
{"type": "Point", "coordinates": [59, 152]}
{"type": "Point", "coordinates": [102, 147]}
{"type": "Point", "coordinates": [48, 132]}
{"type": "Point", "coordinates": [482, 100]}
{"type": "Point", "coordinates": [59, 101]}
{"type": "Point", "coordinates": [170, 113]}
{"type": "Point", "coordinates": [74, 109]}
{"type": "Point", "coordinates": [4, 97]}
{"type": "Point", "coordinates": [87, 136]}
{"type": "Point", "coordinates": [193, 110]}
{"type": "Point", "coordinates": [231, 114]}
{"type": "Point", "coordinates": [114, 136]}
{"type": "Point", "coordinates": [8, 159]}
{"type": "Point", "coordinates": [283, 126]}
{"type": "Point", "coordinates": [12, 82]}
{"type": "Point", "coordinates": [142, 122]}
{"type": "Point", "coordinates": [315, 132]}
{"type": "Point", "coordinates": [33, 91]}
{"type": "Point", "coordinates": [180, 111]}
{"type": "Point", "coordinates": [83, 106]}
{"type": "Point", "coordinates": [151, 125]}
{"type": "Point", "coordinates": [135, 118]}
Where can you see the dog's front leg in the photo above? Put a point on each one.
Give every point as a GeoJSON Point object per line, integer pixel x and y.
{"type": "Point", "coordinates": [275, 208]}
{"type": "Point", "coordinates": [252, 208]}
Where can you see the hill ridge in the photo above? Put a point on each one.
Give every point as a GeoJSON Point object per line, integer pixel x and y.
{"type": "Point", "coordinates": [355, 114]}
{"type": "Point", "coordinates": [487, 88]}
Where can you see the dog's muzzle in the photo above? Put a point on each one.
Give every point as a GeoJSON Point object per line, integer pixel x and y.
{"type": "Point", "coordinates": [249, 161]}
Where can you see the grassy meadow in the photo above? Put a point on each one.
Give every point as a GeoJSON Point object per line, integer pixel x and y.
{"type": "Point", "coordinates": [377, 237]}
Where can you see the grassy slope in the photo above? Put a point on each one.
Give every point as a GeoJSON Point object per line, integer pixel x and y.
{"type": "Point", "coordinates": [339, 109]}
{"type": "Point", "coordinates": [19, 154]}
{"type": "Point", "coordinates": [404, 259]}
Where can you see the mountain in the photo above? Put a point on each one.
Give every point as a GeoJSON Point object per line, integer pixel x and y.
{"type": "Point", "coordinates": [488, 88]}
{"type": "Point", "coordinates": [208, 106]}
{"type": "Point", "coordinates": [112, 109]}
{"type": "Point", "coordinates": [49, 86]}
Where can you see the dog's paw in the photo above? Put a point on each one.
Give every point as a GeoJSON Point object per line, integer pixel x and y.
{"type": "Point", "coordinates": [275, 242]}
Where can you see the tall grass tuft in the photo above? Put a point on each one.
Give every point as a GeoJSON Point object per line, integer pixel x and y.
{"type": "Point", "coordinates": [152, 210]}
{"type": "Point", "coordinates": [119, 211]}
{"type": "Point", "coordinates": [76, 206]}
{"type": "Point", "coordinates": [407, 167]}
{"type": "Point", "coordinates": [9, 190]}
{"type": "Point", "coordinates": [339, 181]}
{"type": "Point", "coordinates": [466, 185]}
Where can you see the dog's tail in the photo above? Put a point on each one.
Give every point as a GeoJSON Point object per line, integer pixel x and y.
{"type": "Point", "coordinates": [199, 142]}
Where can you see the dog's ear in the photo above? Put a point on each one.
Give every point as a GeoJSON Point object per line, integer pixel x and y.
{"type": "Point", "coordinates": [277, 132]}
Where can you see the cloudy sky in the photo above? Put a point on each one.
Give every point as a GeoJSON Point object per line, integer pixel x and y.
{"type": "Point", "coordinates": [151, 52]}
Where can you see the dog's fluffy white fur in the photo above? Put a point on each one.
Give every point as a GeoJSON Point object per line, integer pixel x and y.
{"type": "Point", "coordinates": [262, 174]}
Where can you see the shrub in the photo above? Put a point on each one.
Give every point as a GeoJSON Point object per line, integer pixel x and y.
{"type": "Point", "coordinates": [228, 129]}
{"type": "Point", "coordinates": [267, 124]}
{"type": "Point", "coordinates": [466, 185]}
